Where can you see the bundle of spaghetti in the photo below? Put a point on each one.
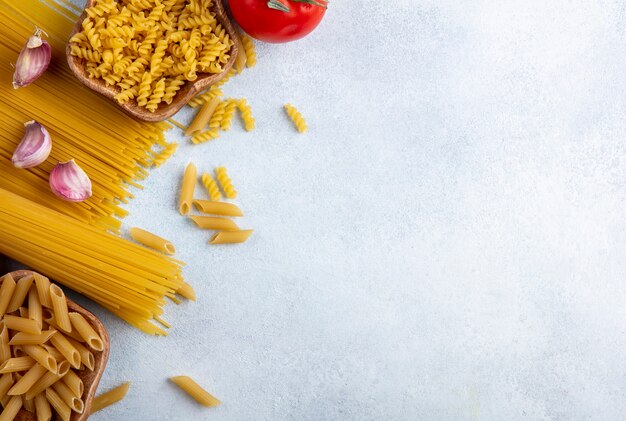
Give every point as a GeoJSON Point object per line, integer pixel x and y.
{"type": "Point", "coordinates": [109, 145]}
{"type": "Point", "coordinates": [129, 280]}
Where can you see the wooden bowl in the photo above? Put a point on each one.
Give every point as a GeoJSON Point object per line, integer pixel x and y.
{"type": "Point", "coordinates": [90, 378]}
{"type": "Point", "coordinates": [187, 91]}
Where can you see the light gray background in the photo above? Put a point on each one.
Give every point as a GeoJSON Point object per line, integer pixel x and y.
{"type": "Point", "coordinates": [448, 242]}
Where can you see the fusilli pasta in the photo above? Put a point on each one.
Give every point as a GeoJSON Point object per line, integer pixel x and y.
{"type": "Point", "coordinates": [296, 117]}
{"type": "Point", "coordinates": [225, 182]}
{"type": "Point", "coordinates": [211, 187]}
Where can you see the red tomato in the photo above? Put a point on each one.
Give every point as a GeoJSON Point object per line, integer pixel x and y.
{"type": "Point", "coordinates": [267, 24]}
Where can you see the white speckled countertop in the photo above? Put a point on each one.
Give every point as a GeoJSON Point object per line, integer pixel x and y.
{"type": "Point", "coordinates": [447, 242]}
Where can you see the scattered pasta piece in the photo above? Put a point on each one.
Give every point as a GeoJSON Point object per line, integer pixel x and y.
{"type": "Point", "coordinates": [187, 291]}
{"type": "Point", "coordinates": [194, 390]}
{"type": "Point", "coordinates": [217, 208]}
{"type": "Point", "coordinates": [165, 154]}
{"type": "Point", "coordinates": [187, 189]}
{"type": "Point", "coordinates": [249, 49]}
{"type": "Point", "coordinates": [153, 241]}
{"type": "Point", "coordinates": [231, 237]}
{"type": "Point", "coordinates": [199, 100]}
{"type": "Point", "coordinates": [218, 115]}
{"type": "Point", "coordinates": [246, 114]}
{"type": "Point", "coordinates": [226, 183]}
{"type": "Point", "coordinates": [241, 59]}
{"type": "Point", "coordinates": [211, 187]}
{"type": "Point", "coordinates": [296, 117]}
{"type": "Point", "coordinates": [214, 223]}
{"type": "Point", "coordinates": [205, 136]}
{"type": "Point", "coordinates": [202, 118]}
{"type": "Point", "coordinates": [177, 124]}
{"type": "Point", "coordinates": [229, 113]}
{"type": "Point", "coordinates": [109, 398]}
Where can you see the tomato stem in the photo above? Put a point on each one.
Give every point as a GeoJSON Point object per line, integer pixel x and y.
{"type": "Point", "coordinates": [279, 5]}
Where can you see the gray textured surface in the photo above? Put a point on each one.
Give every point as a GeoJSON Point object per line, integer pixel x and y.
{"type": "Point", "coordinates": [448, 242]}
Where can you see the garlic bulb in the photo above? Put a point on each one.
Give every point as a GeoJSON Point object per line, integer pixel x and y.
{"type": "Point", "coordinates": [32, 61]}
{"type": "Point", "coordinates": [70, 182]}
{"type": "Point", "coordinates": [34, 148]}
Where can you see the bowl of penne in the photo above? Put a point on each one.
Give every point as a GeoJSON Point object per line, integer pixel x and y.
{"type": "Point", "coordinates": [149, 57]}
{"type": "Point", "coordinates": [52, 351]}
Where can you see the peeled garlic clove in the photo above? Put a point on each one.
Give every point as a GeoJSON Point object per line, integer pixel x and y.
{"type": "Point", "coordinates": [32, 61]}
{"type": "Point", "coordinates": [70, 182]}
{"type": "Point", "coordinates": [34, 148]}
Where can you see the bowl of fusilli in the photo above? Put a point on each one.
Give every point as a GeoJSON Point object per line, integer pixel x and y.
{"type": "Point", "coordinates": [151, 57]}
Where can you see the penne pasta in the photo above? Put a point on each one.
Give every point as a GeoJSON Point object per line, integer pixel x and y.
{"type": "Point", "coordinates": [187, 189]}
{"type": "Point", "coordinates": [22, 324]}
{"type": "Point", "coordinates": [54, 352]}
{"type": "Point", "coordinates": [109, 398]}
{"type": "Point", "coordinates": [194, 390]}
{"type": "Point", "coordinates": [42, 408]}
{"type": "Point", "coordinates": [203, 116]}
{"type": "Point", "coordinates": [153, 241]}
{"type": "Point", "coordinates": [11, 408]}
{"type": "Point", "coordinates": [20, 293]}
{"type": "Point", "coordinates": [87, 332]}
{"type": "Point", "coordinates": [74, 382]}
{"type": "Point", "coordinates": [230, 237]}
{"type": "Point", "coordinates": [6, 382]}
{"type": "Point", "coordinates": [28, 380]}
{"type": "Point", "coordinates": [13, 365]}
{"type": "Point", "coordinates": [21, 338]}
{"type": "Point", "coordinates": [187, 291]}
{"type": "Point", "coordinates": [59, 306]}
{"type": "Point", "coordinates": [86, 356]}
{"type": "Point", "coordinates": [6, 292]}
{"type": "Point", "coordinates": [43, 290]}
{"type": "Point", "coordinates": [18, 351]}
{"type": "Point", "coordinates": [62, 409]}
{"type": "Point", "coordinates": [214, 223]}
{"type": "Point", "coordinates": [217, 208]}
{"type": "Point", "coordinates": [28, 404]}
{"type": "Point", "coordinates": [74, 402]}
{"type": "Point", "coordinates": [5, 349]}
{"type": "Point", "coordinates": [63, 345]}
{"type": "Point", "coordinates": [46, 381]}
{"type": "Point", "coordinates": [34, 306]}
{"type": "Point", "coordinates": [43, 357]}
{"type": "Point", "coordinates": [49, 318]}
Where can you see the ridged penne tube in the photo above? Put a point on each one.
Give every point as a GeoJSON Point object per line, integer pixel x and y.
{"type": "Point", "coordinates": [22, 338]}
{"type": "Point", "coordinates": [13, 365]}
{"type": "Point", "coordinates": [43, 290]}
{"type": "Point", "coordinates": [59, 306]}
{"type": "Point", "coordinates": [34, 306]}
{"type": "Point", "coordinates": [187, 291]}
{"type": "Point", "coordinates": [43, 357]}
{"type": "Point", "coordinates": [194, 390]}
{"type": "Point", "coordinates": [6, 292]}
{"type": "Point", "coordinates": [231, 237]}
{"type": "Point", "coordinates": [54, 352]}
{"type": "Point", "coordinates": [74, 402]}
{"type": "Point", "coordinates": [22, 325]}
{"type": "Point", "coordinates": [12, 407]}
{"type": "Point", "coordinates": [240, 60]}
{"type": "Point", "coordinates": [74, 382]}
{"type": "Point", "coordinates": [62, 344]}
{"type": "Point", "coordinates": [28, 380]}
{"type": "Point", "coordinates": [62, 409]}
{"type": "Point", "coordinates": [46, 381]}
{"type": "Point", "coordinates": [151, 240]}
{"type": "Point", "coordinates": [20, 293]}
{"type": "Point", "coordinates": [18, 351]}
{"type": "Point", "coordinates": [202, 117]}
{"type": "Point", "coordinates": [217, 208]}
{"type": "Point", "coordinates": [48, 317]}
{"type": "Point", "coordinates": [5, 348]}
{"type": "Point", "coordinates": [214, 223]}
{"type": "Point", "coordinates": [87, 332]}
{"type": "Point", "coordinates": [86, 356]}
{"type": "Point", "coordinates": [42, 408]}
{"type": "Point", "coordinates": [187, 188]}
{"type": "Point", "coordinates": [109, 398]}
{"type": "Point", "coordinates": [6, 382]}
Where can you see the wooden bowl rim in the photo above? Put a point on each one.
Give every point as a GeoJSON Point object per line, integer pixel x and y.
{"type": "Point", "coordinates": [101, 358]}
{"type": "Point", "coordinates": [183, 96]}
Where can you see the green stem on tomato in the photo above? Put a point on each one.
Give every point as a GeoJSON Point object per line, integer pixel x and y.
{"type": "Point", "coordinates": [278, 5]}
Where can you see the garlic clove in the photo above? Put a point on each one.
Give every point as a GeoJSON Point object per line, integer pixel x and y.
{"type": "Point", "coordinates": [32, 61]}
{"type": "Point", "coordinates": [34, 148]}
{"type": "Point", "coordinates": [69, 182]}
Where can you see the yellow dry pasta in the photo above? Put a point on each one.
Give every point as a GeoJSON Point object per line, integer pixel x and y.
{"type": "Point", "coordinates": [214, 223]}
{"type": "Point", "coordinates": [62, 409]}
{"type": "Point", "coordinates": [11, 409]}
{"type": "Point", "coordinates": [175, 41]}
{"type": "Point", "coordinates": [246, 114]}
{"type": "Point", "coordinates": [109, 398]}
{"type": "Point", "coordinates": [86, 356]}
{"type": "Point", "coordinates": [22, 338]}
{"type": "Point", "coordinates": [6, 292]}
{"type": "Point", "coordinates": [217, 116]}
{"type": "Point", "coordinates": [202, 117]}
{"type": "Point", "coordinates": [74, 383]}
{"type": "Point", "coordinates": [205, 136]}
{"type": "Point", "coordinates": [59, 305]}
{"type": "Point", "coordinates": [217, 208]}
{"type": "Point", "coordinates": [28, 380]}
{"type": "Point", "coordinates": [230, 237]}
{"type": "Point", "coordinates": [202, 98]}
{"type": "Point", "coordinates": [20, 293]}
{"type": "Point", "coordinates": [87, 332]}
{"type": "Point", "coordinates": [34, 306]}
{"type": "Point", "coordinates": [165, 154]}
{"type": "Point", "coordinates": [42, 408]}
{"type": "Point", "coordinates": [151, 240]}
{"type": "Point", "coordinates": [211, 187]}
{"type": "Point", "coordinates": [13, 365]}
{"type": "Point", "coordinates": [43, 357]}
{"type": "Point", "coordinates": [196, 391]}
{"type": "Point", "coordinates": [250, 51]}
{"type": "Point", "coordinates": [187, 189]}
{"type": "Point", "coordinates": [296, 118]}
{"type": "Point", "coordinates": [187, 291]}
{"type": "Point", "coordinates": [229, 114]}
{"type": "Point", "coordinates": [225, 183]}
{"type": "Point", "coordinates": [74, 402]}
{"type": "Point", "coordinates": [5, 348]}
{"type": "Point", "coordinates": [63, 345]}
{"type": "Point", "coordinates": [22, 324]}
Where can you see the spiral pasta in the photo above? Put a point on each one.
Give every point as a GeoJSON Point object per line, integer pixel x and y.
{"type": "Point", "coordinates": [229, 114]}
{"type": "Point", "coordinates": [248, 46]}
{"type": "Point", "coordinates": [246, 114]}
{"type": "Point", "coordinates": [211, 187]}
{"type": "Point", "coordinates": [296, 117]}
{"type": "Point", "coordinates": [165, 154]}
{"type": "Point", "coordinates": [218, 115]}
{"type": "Point", "coordinates": [174, 41]}
{"type": "Point", "coordinates": [208, 95]}
{"type": "Point", "coordinates": [205, 136]}
{"type": "Point", "coordinates": [225, 182]}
